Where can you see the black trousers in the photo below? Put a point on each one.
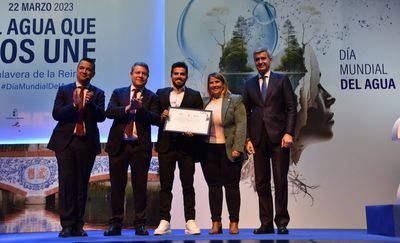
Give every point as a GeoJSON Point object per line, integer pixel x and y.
{"type": "Point", "coordinates": [75, 164]}
{"type": "Point", "coordinates": [265, 153]}
{"type": "Point", "coordinates": [130, 155]}
{"type": "Point", "coordinates": [220, 172]}
{"type": "Point", "coordinates": [167, 165]}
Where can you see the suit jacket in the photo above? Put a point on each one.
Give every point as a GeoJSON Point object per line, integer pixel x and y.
{"type": "Point", "coordinates": [67, 115]}
{"type": "Point", "coordinates": [191, 99]}
{"type": "Point", "coordinates": [234, 123]}
{"type": "Point", "coordinates": [278, 111]}
{"type": "Point", "coordinates": [146, 116]}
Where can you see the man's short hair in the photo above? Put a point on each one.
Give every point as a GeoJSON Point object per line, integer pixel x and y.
{"type": "Point", "coordinates": [142, 64]}
{"type": "Point", "coordinates": [257, 51]}
{"type": "Point", "coordinates": [181, 65]}
{"type": "Point", "coordinates": [89, 60]}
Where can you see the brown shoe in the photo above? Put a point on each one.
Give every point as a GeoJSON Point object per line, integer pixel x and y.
{"type": "Point", "coordinates": [234, 228]}
{"type": "Point", "coordinates": [216, 228]}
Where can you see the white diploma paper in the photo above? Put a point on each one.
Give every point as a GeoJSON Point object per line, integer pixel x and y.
{"type": "Point", "coordinates": [188, 120]}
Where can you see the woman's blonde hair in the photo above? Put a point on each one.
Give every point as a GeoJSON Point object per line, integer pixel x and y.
{"type": "Point", "coordinates": [220, 77]}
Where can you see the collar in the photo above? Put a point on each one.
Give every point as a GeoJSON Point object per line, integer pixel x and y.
{"type": "Point", "coordinates": [227, 94]}
{"type": "Point", "coordinates": [178, 91]}
{"type": "Point", "coordinates": [79, 85]}
{"type": "Point", "coordinates": [216, 98]}
{"type": "Point", "coordinates": [138, 89]}
{"type": "Point", "coordinates": [266, 75]}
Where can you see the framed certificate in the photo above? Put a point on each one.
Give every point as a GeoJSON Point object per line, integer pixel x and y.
{"type": "Point", "coordinates": [188, 120]}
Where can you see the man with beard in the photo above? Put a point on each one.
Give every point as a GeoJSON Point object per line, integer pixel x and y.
{"type": "Point", "coordinates": [177, 147]}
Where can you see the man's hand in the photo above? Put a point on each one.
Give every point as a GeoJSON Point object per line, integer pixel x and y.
{"type": "Point", "coordinates": [188, 134]}
{"type": "Point", "coordinates": [164, 115]}
{"type": "Point", "coordinates": [136, 103]}
{"type": "Point", "coordinates": [89, 97]}
{"type": "Point", "coordinates": [287, 141]}
{"type": "Point", "coordinates": [76, 98]}
{"type": "Point", "coordinates": [128, 108]}
{"type": "Point", "coordinates": [235, 154]}
{"type": "Point", "coordinates": [249, 147]}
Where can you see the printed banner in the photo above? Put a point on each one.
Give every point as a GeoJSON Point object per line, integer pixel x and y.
{"type": "Point", "coordinates": [342, 59]}
{"type": "Point", "coordinates": [42, 42]}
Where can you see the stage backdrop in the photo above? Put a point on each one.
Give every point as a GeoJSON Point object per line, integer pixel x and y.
{"type": "Point", "coordinates": [341, 57]}
{"type": "Point", "coordinates": [41, 43]}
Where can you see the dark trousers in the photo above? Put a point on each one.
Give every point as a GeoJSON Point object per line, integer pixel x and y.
{"type": "Point", "coordinates": [265, 152]}
{"type": "Point", "coordinates": [220, 172]}
{"type": "Point", "coordinates": [130, 155]}
{"type": "Point", "coordinates": [75, 163]}
{"type": "Point", "coordinates": [167, 164]}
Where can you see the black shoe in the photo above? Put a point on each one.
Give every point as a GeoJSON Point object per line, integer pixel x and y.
{"type": "Point", "coordinates": [79, 232]}
{"type": "Point", "coordinates": [264, 230]}
{"type": "Point", "coordinates": [113, 230]}
{"type": "Point", "coordinates": [141, 230]}
{"type": "Point", "coordinates": [65, 232]}
{"type": "Point", "coordinates": [282, 230]}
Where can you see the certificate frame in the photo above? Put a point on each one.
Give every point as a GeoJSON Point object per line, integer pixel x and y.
{"type": "Point", "coordinates": [182, 120]}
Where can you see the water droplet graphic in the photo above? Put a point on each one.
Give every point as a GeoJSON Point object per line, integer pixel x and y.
{"type": "Point", "coordinates": [206, 26]}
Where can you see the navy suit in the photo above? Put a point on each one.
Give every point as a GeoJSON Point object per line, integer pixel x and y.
{"type": "Point", "coordinates": [174, 147]}
{"type": "Point", "coordinates": [124, 153]}
{"type": "Point", "coordinates": [267, 121]}
{"type": "Point", "coordinates": [75, 155]}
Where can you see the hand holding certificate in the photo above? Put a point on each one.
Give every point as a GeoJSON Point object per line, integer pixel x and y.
{"type": "Point", "coordinates": [188, 120]}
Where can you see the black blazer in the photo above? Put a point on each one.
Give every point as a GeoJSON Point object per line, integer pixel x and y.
{"type": "Point", "coordinates": [191, 99]}
{"type": "Point", "coordinates": [146, 116]}
{"type": "Point", "coordinates": [67, 115]}
{"type": "Point", "coordinates": [278, 112]}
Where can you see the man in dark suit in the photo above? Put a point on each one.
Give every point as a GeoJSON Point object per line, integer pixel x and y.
{"type": "Point", "coordinates": [78, 108]}
{"type": "Point", "coordinates": [134, 109]}
{"type": "Point", "coordinates": [179, 147]}
{"type": "Point", "coordinates": [271, 119]}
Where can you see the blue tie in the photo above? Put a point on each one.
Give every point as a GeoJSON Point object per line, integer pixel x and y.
{"type": "Point", "coordinates": [264, 88]}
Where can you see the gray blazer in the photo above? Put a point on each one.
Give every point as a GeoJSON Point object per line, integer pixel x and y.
{"type": "Point", "coordinates": [234, 122]}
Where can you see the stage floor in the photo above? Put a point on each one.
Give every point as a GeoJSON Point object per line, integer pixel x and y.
{"type": "Point", "coordinates": [178, 235]}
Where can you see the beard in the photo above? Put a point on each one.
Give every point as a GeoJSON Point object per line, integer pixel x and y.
{"type": "Point", "coordinates": [180, 84]}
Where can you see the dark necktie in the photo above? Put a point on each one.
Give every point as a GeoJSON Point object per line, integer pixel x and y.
{"type": "Point", "coordinates": [264, 87]}
{"type": "Point", "coordinates": [80, 129]}
{"type": "Point", "coordinates": [132, 113]}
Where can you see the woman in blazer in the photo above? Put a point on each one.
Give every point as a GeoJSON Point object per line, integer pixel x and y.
{"type": "Point", "coordinates": [224, 151]}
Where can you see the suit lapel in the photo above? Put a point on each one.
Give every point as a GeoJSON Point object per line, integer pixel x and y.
{"type": "Point", "coordinates": [226, 101]}
{"type": "Point", "coordinates": [271, 86]}
{"type": "Point", "coordinates": [72, 87]}
{"type": "Point", "coordinates": [90, 88]}
{"type": "Point", "coordinates": [126, 95]}
{"type": "Point", "coordinates": [168, 93]}
{"type": "Point", "coordinates": [70, 91]}
{"type": "Point", "coordinates": [255, 86]}
{"type": "Point", "coordinates": [206, 100]}
{"type": "Point", "coordinates": [164, 96]}
{"type": "Point", "coordinates": [186, 97]}
{"type": "Point", "coordinates": [145, 97]}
